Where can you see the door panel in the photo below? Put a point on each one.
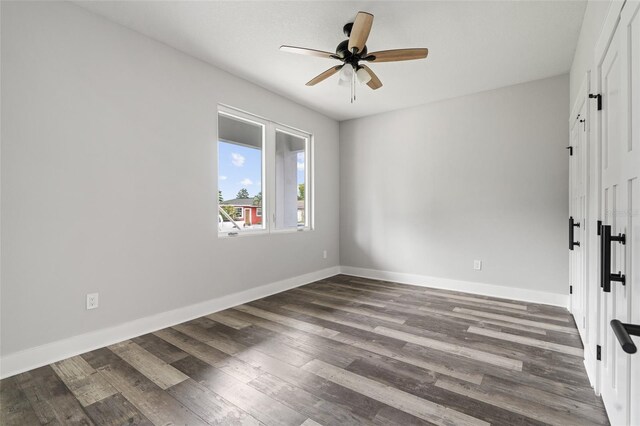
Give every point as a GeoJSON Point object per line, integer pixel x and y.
{"type": "Point", "coordinates": [577, 209]}
{"type": "Point", "coordinates": [619, 77]}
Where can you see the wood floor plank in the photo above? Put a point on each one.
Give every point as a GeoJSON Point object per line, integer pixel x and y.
{"type": "Point", "coordinates": [15, 408]}
{"type": "Point", "coordinates": [405, 379]}
{"type": "Point", "coordinates": [507, 318]}
{"type": "Point", "coordinates": [425, 363]}
{"type": "Point", "coordinates": [213, 356]}
{"type": "Point", "coordinates": [83, 380]}
{"type": "Point", "coordinates": [220, 342]}
{"type": "Point", "coordinates": [151, 400]}
{"type": "Point", "coordinates": [448, 347]}
{"type": "Point", "coordinates": [355, 405]}
{"type": "Point", "coordinates": [311, 292]}
{"type": "Point", "coordinates": [586, 409]}
{"type": "Point", "coordinates": [527, 341]}
{"type": "Point", "coordinates": [477, 319]}
{"type": "Point", "coordinates": [257, 404]}
{"type": "Point", "coordinates": [223, 317]}
{"type": "Point", "coordinates": [378, 292]}
{"type": "Point", "coordinates": [291, 322]}
{"type": "Point", "coordinates": [211, 407]}
{"type": "Point", "coordinates": [293, 351]}
{"type": "Point", "coordinates": [192, 346]}
{"type": "Point", "coordinates": [159, 372]}
{"type": "Point", "coordinates": [392, 416]}
{"type": "Point", "coordinates": [404, 401]}
{"type": "Point", "coordinates": [310, 422]}
{"type": "Point", "coordinates": [50, 399]}
{"type": "Point", "coordinates": [160, 348]}
{"type": "Point", "coordinates": [446, 295]}
{"type": "Point", "coordinates": [360, 311]}
{"type": "Point", "coordinates": [116, 410]}
{"type": "Point", "coordinates": [329, 317]}
{"type": "Point", "coordinates": [308, 404]}
{"type": "Point", "coordinates": [512, 403]}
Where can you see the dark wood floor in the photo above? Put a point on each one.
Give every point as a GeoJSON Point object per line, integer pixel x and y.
{"type": "Point", "coordinates": [340, 351]}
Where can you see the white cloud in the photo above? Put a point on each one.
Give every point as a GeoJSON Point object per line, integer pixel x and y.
{"type": "Point", "coordinates": [246, 182]}
{"type": "Point", "coordinates": [222, 178]}
{"type": "Point", "coordinates": [300, 165]}
{"type": "Point", "coordinates": [237, 159]}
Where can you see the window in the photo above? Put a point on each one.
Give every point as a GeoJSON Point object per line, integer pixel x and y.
{"type": "Point", "coordinates": [241, 143]}
{"type": "Point", "coordinates": [291, 169]}
{"type": "Point", "coordinates": [262, 166]}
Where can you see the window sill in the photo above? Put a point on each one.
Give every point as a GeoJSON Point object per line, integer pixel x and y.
{"type": "Point", "coordinates": [224, 235]}
{"type": "Point", "coordinates": [243, 233]}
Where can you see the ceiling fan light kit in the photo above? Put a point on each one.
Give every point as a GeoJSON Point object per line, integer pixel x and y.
{"type": "Point", "coordinates": [354, 50]}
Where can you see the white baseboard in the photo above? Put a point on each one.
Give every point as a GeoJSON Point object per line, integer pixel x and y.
{"type": "Point", "coordinates": [503, 292]}
{"type": "Point", "coordinates": [38, 356]}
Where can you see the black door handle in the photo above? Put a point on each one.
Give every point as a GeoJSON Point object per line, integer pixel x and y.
{"type": "Point", "coordinates": [572, 225]}
{"type": "Point", "coordinates": [605, 258]}
{"type": "Point", "coordinates": [624, 332]}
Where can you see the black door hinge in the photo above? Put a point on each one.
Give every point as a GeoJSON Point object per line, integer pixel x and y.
{"type": "Point", "coordinates": [599, 98]}
{"type": "Point", "coordinates": [598, 352]}
{"type": "Point", "coordinates": [570, 289]}
{"type": "Point", "coordinates": [598, 226]}
{"type": "Point", "coordinates": [570, 148]}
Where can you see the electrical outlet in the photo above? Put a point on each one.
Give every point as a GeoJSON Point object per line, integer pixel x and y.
{"type": "Point", "coordinates": [92, 301]}
{"type": "Point", "coordinates": [324, 254]}
{"type": "Point", "coordinates": [477, 265]}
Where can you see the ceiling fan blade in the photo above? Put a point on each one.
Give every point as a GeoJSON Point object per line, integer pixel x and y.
{"type": "Point", "coordinates": [375, 82]}
{"type": "Point", "coordinates": [397, 55]}
{"type": "Point", "coordinates": [308, 52]}
{"type": "Point", "coordinates": [328, 73]}
{"type": "Point", "coordinates": [360, 31]}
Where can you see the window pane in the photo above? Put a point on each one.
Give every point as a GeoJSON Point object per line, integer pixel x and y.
{"type": "Point", "coordinates": [291, 166]}
{"type": "Point", "coordinates": [240, 174]}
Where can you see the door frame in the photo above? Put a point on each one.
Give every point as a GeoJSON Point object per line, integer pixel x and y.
{"type": "Point", "coordinates": [582, 156]}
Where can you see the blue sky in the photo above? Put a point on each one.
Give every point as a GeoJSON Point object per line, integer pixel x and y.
{"type": "Point", "coordinates": [241, 167]}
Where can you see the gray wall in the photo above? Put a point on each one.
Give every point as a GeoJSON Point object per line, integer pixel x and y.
{"type": "Point", "coordinates": [427, 190]}
{"type": "Point", "coordinates": [109, 182]}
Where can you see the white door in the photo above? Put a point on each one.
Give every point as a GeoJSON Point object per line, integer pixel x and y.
{"type": "Point", "coordinates": [619, 76]}
{"type": "Point", "coordinates": [577, 210]}
{"type": "Point", "coordinates": [630, 21]}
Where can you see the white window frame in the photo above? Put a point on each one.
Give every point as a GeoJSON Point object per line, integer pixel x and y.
{"type": "Point", "coordinates": [258, 211]}
{"type": "Point", "coordinates": [241, 215]}
{"type": "Point", "coordinates": [255, 120]}
{"type": "Point", "coordinates": [308, 144]}
{"type": "Point", "coordinates": [268, 212]}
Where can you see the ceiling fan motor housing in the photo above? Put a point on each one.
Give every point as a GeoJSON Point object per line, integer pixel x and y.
{"type": "Point", "coordinates": [342, 51]}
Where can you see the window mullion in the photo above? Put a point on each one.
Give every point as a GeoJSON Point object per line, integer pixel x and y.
{"type": "Point", "coordinates": [269, 172]}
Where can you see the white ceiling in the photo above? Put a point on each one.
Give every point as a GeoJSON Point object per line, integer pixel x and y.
{"type": "Point", "coordinates": [473, 46]}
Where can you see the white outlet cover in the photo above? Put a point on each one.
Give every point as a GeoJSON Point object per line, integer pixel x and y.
{"type": "Point", "coordinates": [477, 265]}
{"type": "Point", "coordinates": [324, 254]}
{"type": "Point", "coordinates": [92, 301]}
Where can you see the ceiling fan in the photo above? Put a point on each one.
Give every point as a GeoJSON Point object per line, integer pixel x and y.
{"type": "Point", "coordinates": [354, 51]}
